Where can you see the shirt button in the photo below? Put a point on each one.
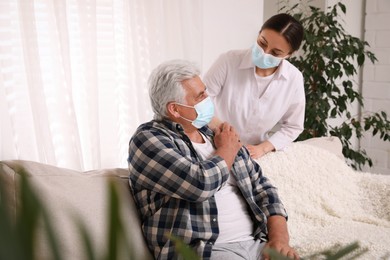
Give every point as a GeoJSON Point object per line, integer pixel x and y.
{"type": "Point", "coordinates": [210, 243]}
{"type": "Point", "coordinates": [214, 219]}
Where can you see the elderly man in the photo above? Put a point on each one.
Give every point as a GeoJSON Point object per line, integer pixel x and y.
{"type": "Point", "coordinates": [197, 184]}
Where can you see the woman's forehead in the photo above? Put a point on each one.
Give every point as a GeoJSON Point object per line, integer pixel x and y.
{"type": "Point", "coordinates": [275, 40]}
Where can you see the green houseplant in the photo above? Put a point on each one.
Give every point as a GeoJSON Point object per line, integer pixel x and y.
{"type": "Point", "coordinates": [329, 60]}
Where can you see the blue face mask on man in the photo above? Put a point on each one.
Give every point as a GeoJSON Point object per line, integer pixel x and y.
{"type": "Point", "coordinates": [205, 111]}
{"type": "Point", "coordinates": [264, 60]}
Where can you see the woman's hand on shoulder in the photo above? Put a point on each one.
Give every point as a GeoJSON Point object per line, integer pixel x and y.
{"type": "Point", "coordinates": [215, 123]}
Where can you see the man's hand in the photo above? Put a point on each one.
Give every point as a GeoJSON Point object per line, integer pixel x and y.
{"type": "Point", "coordinates": [278, 238]}
{"type": "Point", "coordinates": [226, 136]}
{"type": "Point", "coordinates": [227, 143]}
{"type": "Point", "coordinates": [282, 248]}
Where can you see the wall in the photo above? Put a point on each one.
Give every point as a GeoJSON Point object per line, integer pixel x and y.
{"type": "Point", "coordinates": [376, 78]}
{"type": "Point", "coordinates": [229, 24]}
{"type": "Point", "coordinates": [353, 23]}
{"type": "Point", "coordinates": [272, 7]}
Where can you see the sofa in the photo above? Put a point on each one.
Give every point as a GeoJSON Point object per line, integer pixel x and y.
{"type": "Point", "coordinates": [71, 196]}
{"type": "Point", "coordinates": [328, 203]}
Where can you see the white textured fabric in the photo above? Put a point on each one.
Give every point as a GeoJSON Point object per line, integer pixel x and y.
{"type": "Point", "coordinates": [329, 203]}
{"type": "Point", "coordinates": [239, 100]}
{"type": "Point", "coordinates": [73, 74]}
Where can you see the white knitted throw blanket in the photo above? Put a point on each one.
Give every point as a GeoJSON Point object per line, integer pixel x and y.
{"type": "Point", "coordinates": [329, 203]}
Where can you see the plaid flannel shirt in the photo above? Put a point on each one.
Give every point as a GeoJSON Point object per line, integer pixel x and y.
{"type": "Point", "coordinates": [174, 189]}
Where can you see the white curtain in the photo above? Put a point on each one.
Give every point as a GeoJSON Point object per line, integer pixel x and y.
{"type": "Point", "coordinates": [73, 74]}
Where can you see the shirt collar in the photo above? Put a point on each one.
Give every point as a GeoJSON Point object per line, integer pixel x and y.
{"type": "Point", "coordinates": [178, 128]}
{"type": "Point", "coordinates": [246, 63]}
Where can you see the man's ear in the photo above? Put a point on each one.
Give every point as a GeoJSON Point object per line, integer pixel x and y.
{"type": "Point", "coordinates": [172, 110]}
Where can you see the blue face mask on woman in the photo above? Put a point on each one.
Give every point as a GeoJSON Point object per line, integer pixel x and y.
{"type": "Point", "coordinates": [205, 111]}
{"type": "Point", "coordinates": [264, 60]}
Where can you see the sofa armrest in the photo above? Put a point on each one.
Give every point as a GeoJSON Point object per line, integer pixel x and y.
{"type": "Point", "coordinates": [330, 143]}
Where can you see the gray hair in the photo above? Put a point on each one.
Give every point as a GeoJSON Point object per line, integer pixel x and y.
{"type": "Point", "coordinates": [165, 84]}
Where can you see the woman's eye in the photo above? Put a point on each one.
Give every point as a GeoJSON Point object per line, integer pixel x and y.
{"type": "Point", "coordinates": [276, 54]}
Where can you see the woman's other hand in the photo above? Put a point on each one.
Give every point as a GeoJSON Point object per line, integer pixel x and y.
{"type": "Point", "coordinates": [257, 151]}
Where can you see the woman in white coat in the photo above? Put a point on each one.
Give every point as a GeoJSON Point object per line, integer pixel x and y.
{"type": "Point", "coordinates": [258, 91]}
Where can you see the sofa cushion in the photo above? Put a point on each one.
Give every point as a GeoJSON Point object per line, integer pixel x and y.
{"type": "Point", "coordinates": [71, 195]}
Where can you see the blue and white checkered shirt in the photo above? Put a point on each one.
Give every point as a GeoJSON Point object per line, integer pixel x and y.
{"type": "Point", "coordinates": [174, 189]}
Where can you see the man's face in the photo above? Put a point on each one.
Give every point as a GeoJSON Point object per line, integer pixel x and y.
{"type": "Point", "coordinates": [195, 92]}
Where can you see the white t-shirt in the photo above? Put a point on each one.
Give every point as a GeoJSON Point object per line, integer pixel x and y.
{"type": "Point", "coordinates": [234, 222]}
{"type": "Point", "coordinates": [253, 107]}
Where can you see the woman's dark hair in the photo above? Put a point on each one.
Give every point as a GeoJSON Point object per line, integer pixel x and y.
{"type": "Point", "coordinates": [288, 26]}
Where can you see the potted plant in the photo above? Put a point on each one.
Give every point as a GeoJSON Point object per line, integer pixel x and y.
{"type": "Point", "coordinates": [329, 59]}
